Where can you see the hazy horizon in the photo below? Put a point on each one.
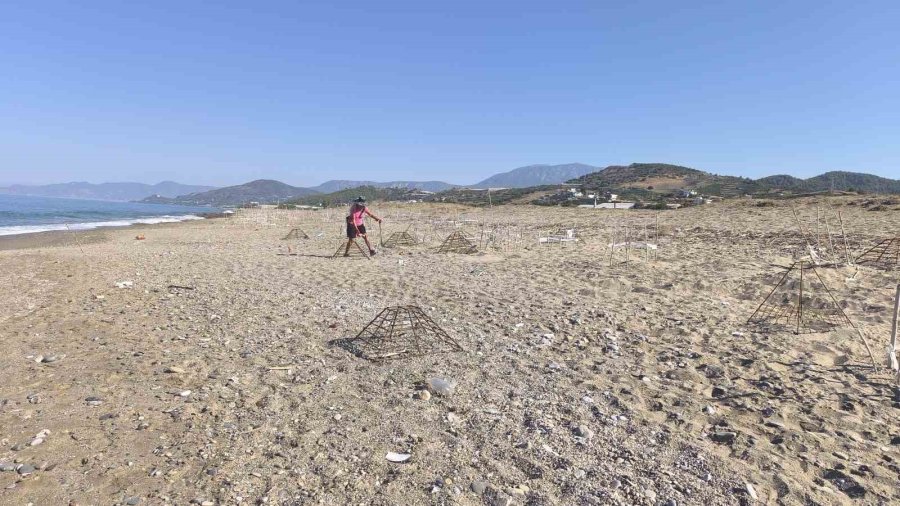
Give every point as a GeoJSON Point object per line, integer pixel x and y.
{"type": "Point", "coordinates": [401, 90]}
{"type": "Point", "coordinates": [463, 183]}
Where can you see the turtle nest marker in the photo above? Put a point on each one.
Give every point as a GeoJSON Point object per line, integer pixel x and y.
{"type": "Point", "coordinates": [296, 233]}
{"type": "Point", "coordinates": [885, 254]}
{"type": "Point", "coordinates": [399, 331]}
{"type": "Point", "coordinates": [457, 242]}
{"type": "Point", "coordinates": [801, 301]}
{"type": "Point", "coordinates": [400, 239]}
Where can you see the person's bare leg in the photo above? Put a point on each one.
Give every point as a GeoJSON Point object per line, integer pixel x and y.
{"type": "Point", "coordinates": [347, 249]}
{"type": "Point", "coordinates": [366, 238]}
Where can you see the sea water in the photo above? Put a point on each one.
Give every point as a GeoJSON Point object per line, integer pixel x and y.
{"type": "Point", "coordinates": [24, 215]}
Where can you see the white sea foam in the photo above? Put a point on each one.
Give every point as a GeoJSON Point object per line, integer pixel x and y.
{"type": "Point", "coordinates": [48, 227]}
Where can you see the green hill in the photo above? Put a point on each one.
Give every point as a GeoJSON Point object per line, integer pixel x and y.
{"type": "Point", "coordinates": [264, 191]}
{"type": "Point", "coordinates": [665, 178]}
{"type": "Point", "coordinates": [835, 180]}
{"type": "Point", "coordinates": [371, 193]}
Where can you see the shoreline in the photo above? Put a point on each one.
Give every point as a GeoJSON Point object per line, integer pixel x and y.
{"type": "Point", "coordinates": [91, 225]}
{"type": "Point", "coordinates": [62, 238]}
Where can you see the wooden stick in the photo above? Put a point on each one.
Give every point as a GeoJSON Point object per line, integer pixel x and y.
{"type": "Point", "coordinates": [802, 232]}
{"type": "Point", "coordinates": [76, 238]}
{"type": "Point", "coordinates": [830, 242]}
{"type": "Point", "coordinates": [656, 253]}
{"type": "Point", "coordinates": [818, 242]}
{"type": "Point", "coordinates": [626, 244]}
{"type": "Point", "coordinates": [866, 342]}
{"type": "Point", "coordinates": [612, 245]}
{"type": "Point", "coordinates": [893, 349]}
{"type": "Point", "coordinates": [846, 245]}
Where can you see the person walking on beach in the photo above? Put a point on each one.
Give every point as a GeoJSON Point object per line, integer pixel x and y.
{"type": "Point", "coordinates": [356, 226]}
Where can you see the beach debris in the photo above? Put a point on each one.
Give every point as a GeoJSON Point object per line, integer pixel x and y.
{"type": "Point", "coordinates": [723, 436]}
{"type": "Point", "coordinates": [423, 395]}
{"type": "Point", "coordinates": [441, 386]}
{"type": "Point", "coordinates": [124, 284]}
{"type": "Point", "coordinates": [93, 401]}
{"type": "Point", "coordinates": [399, 331]}
{"type": "Point", "coordinates": [40, 437]}
{"type": "Point", "coordinates": [173, 370]}
{"type": "Point", "coordinates": [139, 237]}
{"type": "Point", "coordinates": [751, 491]}
{"type": "Point", "coordinates": [560, 236]}
{"type": "Point", "coordinates": [457, 242]}
{"type": "Point", "coordinates": [49, 359]}
{"type": "Point", "coordinates": [397, 458]}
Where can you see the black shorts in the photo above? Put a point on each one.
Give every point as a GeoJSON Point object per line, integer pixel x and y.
{"type": "Point", "coordinates": [351, 230]}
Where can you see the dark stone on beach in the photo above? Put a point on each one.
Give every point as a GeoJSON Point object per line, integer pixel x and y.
{"type": "Point", "coordinates": [25, 469]}
{"type": "Point", "coordinates": [895, 440]}
{"type": "Point", "coordinates": [718, 392]}
{"type": "Point", "coordinates": [845, 483]}
{"type": "Point", "coordinates": [7, 467]}
{"type": "Point", "coordinates": [712, 371]}
{"type": "Point", "coordinates": [133, 501]}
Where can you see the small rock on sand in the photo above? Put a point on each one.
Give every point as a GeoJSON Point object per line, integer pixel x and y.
{"type": "Point", "coordinates": [478, 487]}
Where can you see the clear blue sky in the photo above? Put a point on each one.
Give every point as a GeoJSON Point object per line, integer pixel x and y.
{"type": "Point", "coordinates": [224, 92]}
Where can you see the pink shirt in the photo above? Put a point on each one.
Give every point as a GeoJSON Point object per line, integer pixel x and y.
{"type": "Point", "coordinates": [358, 213]}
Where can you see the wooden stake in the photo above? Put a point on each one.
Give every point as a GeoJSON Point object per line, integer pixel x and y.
{"type": "Point", "coordinates": [846, 245]}
{"type": "Point", "coordinates": [818, 242]}
{"type": "Point", "coordinates": [612, 245]}
{"type": "Point", "coordinates": [802, 232]}
{"type": "Point", "coordinates": [830, 242]}
{"type": "Point", "coordinates": [76, 238]}
{"type": "Point", "coordinates": [893, 348]}
{"type": "Point", "coordinates": [656, 252]}
{"type": "Point", "coordinates": [800, 300]}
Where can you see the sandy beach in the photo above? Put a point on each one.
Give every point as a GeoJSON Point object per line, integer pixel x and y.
{"type": "Point", "coordinates": [211, 376]}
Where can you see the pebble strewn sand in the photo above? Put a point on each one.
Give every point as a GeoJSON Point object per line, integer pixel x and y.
{"type": "Point", "coordinates": [581, 382]}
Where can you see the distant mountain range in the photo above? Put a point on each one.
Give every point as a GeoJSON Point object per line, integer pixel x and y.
{"type": "Point", "coordinates": [639, 180]}
{"type": "Point", "coordinates": [338, 185]}
{"type": "Point", "coordinates": [105, 191]}
{"type": "Point", "coordinates": [268, 191]}
{"type": "Point", "coordinates": [537, 175]}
